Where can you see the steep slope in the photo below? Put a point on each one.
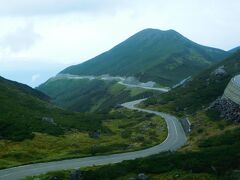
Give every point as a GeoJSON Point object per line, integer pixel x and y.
{"type": "Point", "coordinates": [162, 56]}
{"type": "Point", "coordinates": [24, 110]}
{"type": "Point", "coordinates": [90, 95]}
{"type": "Point", "coordinates": [7, 84]}
{"type": "Point", "coordinates": [33, 130]}
{"type": "Point", "coordinates": [234, 49]}
{"type": "Point", "coordinates": [201, 90]}
{"type": "Point", "coordinates": [212, 151]}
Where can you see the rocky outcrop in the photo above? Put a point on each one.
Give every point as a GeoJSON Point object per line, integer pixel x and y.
{"type": "Point", "coordinates": [220, 71]}
{"type": "Point", "coordinates": [227, 109]}
{"type": "Point", "coordinates": [49, 120]}
{"type": "Point", "coordinates": [142, 176]}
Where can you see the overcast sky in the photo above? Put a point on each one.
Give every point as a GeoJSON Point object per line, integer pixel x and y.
{"type": "Point", "coordinates": [40, 38]}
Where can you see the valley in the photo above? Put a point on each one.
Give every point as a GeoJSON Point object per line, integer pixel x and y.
{"type": "Point", "coordinates": [96, 93]}
{"type": "Point", "coordinates": [156, 105]}
{"type": "Point", "coordinates": [121, 131]}
{"type": "Point", "coordinates": [126, 81]}
{"type": "Point", "coordinates": [211, 148]}
{"type": "Point", "coordinates": [175, 139]}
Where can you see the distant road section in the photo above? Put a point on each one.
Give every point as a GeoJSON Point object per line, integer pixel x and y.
{"type": "Point", "coordinates": [145, 87]}
{"type": "Point", "coordinates": [176, 138]}
{"type": "Point", "coordinates": [120, 80]}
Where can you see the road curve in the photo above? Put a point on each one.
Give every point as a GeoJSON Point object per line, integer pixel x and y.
{"type": "Point", "coordinates": [144, 87]}
{"type": "Point", "coordinates": [175, 139]}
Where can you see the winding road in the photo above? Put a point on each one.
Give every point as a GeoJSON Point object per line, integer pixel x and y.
{"type": "Point", "coordinates": [145, 87]}
{"type": "Point", "coordinates": [175, 139]}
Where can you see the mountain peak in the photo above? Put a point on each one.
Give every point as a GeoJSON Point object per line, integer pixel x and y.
{"type": "Point", "coordinates": [157, 34]}
{"type": "Point", "coordinates": [163, 56]}
{"type": "Point", "coordinates": [152, 30]}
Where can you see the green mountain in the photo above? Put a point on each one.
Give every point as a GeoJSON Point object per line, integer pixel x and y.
{"type": "Point", "coordinates": [203, 89]}
{"type": "Point", "coordinates": [212, 149]}
{"type": "Point", "coordinates": [234, 49]}
{"type": "Point", "coordinates": [165, 57]}
{"type": "Point", "coordinates": [24, 111]}
{"type": "Point", "coordinates": [89, 95]}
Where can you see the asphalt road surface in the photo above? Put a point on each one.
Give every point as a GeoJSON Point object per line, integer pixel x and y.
{"type": "Point", "coordinates": [144, 87]}
{"type": "Point", "coordinates": [175, 139]}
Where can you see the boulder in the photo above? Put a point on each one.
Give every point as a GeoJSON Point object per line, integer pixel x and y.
{"type": "Point", "coordinates": [220, 71]}
{"type": "Point", "coordinates": [48, 120]}
{"type": "Point", "coordinates": [142, 176]}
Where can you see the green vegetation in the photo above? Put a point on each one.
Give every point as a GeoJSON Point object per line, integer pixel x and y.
{"type": "Point", "coordinates": [90, 95]}
{"type": "Point", "coordinates": [199, 92]}
{"type": "Point", "coordinates": [216, 158]}
{"type": "Point", "coordinates": [204, 127]}
{"type": "Point", "coordinates": [234, 49]}
{"type": "Point", "coordinates": [193, 98]}
{"type": "Point", "coordinates": [33, 130]}
{"type": "Point", "coordinates": [165, 57]}
{"type": "Point", "coordinates": [227, 138]}
{"type": "Point", "coordinates": [122, 130]}
{"type": "Point", "coordinates": [22, 112]}
{"type": "Point", "coordinates": [60, 175]}
{"type": "Point", "coordinates": [180, 175]}
{"type": "Point", "coordinates": [212, 149]}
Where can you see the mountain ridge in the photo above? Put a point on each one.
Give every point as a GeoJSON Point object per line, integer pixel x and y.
{"type": "Point", "coordinates": [203, 89]}
{"type": "Point", "coordinates": [149, 53]}
{"type": "Point", "coordinates": [25, 88]}
{"type": "Point", "coordinates": [234, 49]}
{"type": "Point", "coordinates": [25, 111]}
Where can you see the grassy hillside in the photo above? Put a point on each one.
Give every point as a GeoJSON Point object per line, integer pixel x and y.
{"type": "Point", "coordinates": [123, 131]}
{"type": "Point", "coordinates": [90, 95]}
{"type": "Point", "coordinates": [24, 110]}
{"type": "Point", "coordinates": [33, 130]}
{"type": "Point", "coordinates": [200, 92]}
{"type": "Point", "coordinates": [216, 158]}
{"type": "Point", "coordinates": [166, 57]}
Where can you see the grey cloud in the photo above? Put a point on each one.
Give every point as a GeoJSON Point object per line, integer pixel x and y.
{"type": "Point", "coordinates": [47, 7]}
{"type": "Point", "coordinates": [22, 39]}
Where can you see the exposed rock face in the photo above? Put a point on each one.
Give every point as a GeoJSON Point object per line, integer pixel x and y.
{"type": "Point", "coordinates": [142, 176]}
{"type": "Point", "coordinates": [227, 109]}
{"type": "Point", "coordinates": [220, 71]}
{"type": "Point", "coordinates": [131, 80]}
{"type": "Point", "coordinates": [54, 178]}
{"type": "Point", "coordinates": [49, 120]}
{"type": "Point", "coordinates": [134, 81]}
